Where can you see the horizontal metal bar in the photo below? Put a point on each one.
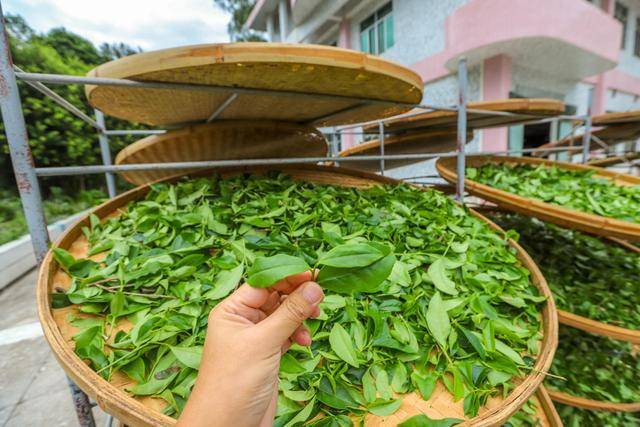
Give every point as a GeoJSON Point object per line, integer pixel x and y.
{"type": "Point", "coordinates": [97, 169]}
{"type": "Point", "coordinates": [104, 81]}
{"type": "Point", "coordinates": [134, 132]}
{"type": "Point", "coordinates": [61, 101]}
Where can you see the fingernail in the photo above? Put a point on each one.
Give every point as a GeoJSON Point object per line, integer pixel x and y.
{"type": "Point", "coordinates": [312, 292]}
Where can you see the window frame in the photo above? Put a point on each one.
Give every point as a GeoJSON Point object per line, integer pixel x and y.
{"type": "Point", "coordinates": [376, 30]}
{"type": "Point", "coordinates": [621, 14]}
{"type": "Point", "coordinates": [636, 46]}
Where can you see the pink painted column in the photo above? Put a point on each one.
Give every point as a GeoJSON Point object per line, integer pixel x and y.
{"type": "Point", "coordinates": [344, 41]}
{"type": "Point", "coordinates": [599, 102]}
{"type": "Point", "coordinates": [496, 84]}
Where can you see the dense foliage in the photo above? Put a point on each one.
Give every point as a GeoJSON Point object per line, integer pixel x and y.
{"type": "Point", "coordinates": [574, 189]}
{"type": "Point", "coordinates": [595, 367]}
{"type": "Point", "coordinates": [458, 306]}
{"type": "Point", "coordinates": [56, 137]}
{"type": "Point", "coordinates": [240, 11]}
{"type": "Point", "coordinates": [575, 417]}
{"type": "Point", "coordinates": [604, 274]}
{"type": "Point", "coordinates": [57, 206]}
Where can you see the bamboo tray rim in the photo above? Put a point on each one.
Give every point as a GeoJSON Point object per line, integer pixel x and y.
{"type": "Point", "coordinates": [525, 107]}
{"type": "Point", "coordinates": [115, 401]}
{"type": "Point", "coordinates": [616, 118]}
{"type": "Point", "coordinates": [123, 155]}
{"type": "Point", "coordinates": [613, 160]}
{"type": "Point", "coordinates": [248, 52]}
{"type": "Point", "coordinates": [394, 140]}
{"type": "Point", "coordinates": [591, 404]}
{"type": "Point", "coordinates": [585, 323]}
{"type": "Point", "coordinates": [588, 222]}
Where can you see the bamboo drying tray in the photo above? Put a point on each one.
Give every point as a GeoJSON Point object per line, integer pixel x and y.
{"type": "Point", "coordinates": [221, 140]}
{"type": "Point", "coordinates": [147, 411]}
{"type": "Point", "coordinates": [613, 160]}
{"type": "Point", "coordinates": [559, 215]}
{"type": "Point", "coordinates": [591, 404]}
{"type": "Point", "coordinates": [547, 414]}
{"type": "Point", "coordinates": [425, 141]}
{"type": "Point", "coordinates": [616, 118]}
{"type": "Point", "coordinates": [523, 108]}
{"type": "Point", "coordinates": [610, 135]}
{"type": "Point", "coordinates": [581, 322]}
{"type": "Point", "coordinates": [321, 70]}
{"type": "Point", "coordinates": [435, 131]}
{"type": "Point", "coordinates": [601, 328]}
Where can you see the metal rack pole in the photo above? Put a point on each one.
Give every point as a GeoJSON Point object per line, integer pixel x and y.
{"type": "Point", "coordinates": [21, 157]}
{"type": "Point", "coordinates": [106, 154]}
{"type": "Point", "coordinates": [27, 182]}
{"type": "Point", "coordinates": [462, 128]}
{"type": "Point", "coordinates": [586, 140]}
{"type": "Point", "coordinates": [381, 137]}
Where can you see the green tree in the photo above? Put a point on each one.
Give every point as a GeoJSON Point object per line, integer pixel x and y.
{"type": "Point", "coordinates": [240, 11]}
{"type": "Point", "coordinates": [56, 137]}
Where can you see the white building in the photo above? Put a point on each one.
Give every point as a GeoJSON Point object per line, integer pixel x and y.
{"type": "Point", "coordinates": [586, 54]}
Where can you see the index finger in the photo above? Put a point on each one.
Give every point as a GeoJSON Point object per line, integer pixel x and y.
{"type": "Point", "coordinates": [291, 283]}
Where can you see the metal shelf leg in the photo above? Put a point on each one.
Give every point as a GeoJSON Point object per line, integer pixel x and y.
{"type": "Point", "coordinates": [27, 181]}
{"type": "Point", "coordinates": [106, 154]}
{"type": "Point", "coordinates": [462, 128]}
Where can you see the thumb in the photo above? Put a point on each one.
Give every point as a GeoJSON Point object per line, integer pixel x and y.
{"type": "Point", "coordinates": [297, 307]}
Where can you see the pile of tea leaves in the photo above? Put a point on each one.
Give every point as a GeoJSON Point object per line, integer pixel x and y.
{"type": "Point", "coordinates": [574, 189]}
{"type": "Point", "coordinates": [527, 416]}
{"type": "Point", "coordinates": [457, 306]}
{"type": "Point", "coordinates": [595, 367]}
{"type": "Point", "coordinates": [605, 275]}
{"type": "Point", "coordinates": [577, 417]}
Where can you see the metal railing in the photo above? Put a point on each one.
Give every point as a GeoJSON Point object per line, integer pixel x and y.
{"type": "Point", "coordinates": [27, 173]}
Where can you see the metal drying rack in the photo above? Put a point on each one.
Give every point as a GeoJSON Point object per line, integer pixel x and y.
{"type": "Point", "coordinates": [27, 174]}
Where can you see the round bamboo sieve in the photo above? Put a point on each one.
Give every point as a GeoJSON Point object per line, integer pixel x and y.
{"type": "Point", "coordinates": [584, 323]}
{"type": "Point", "coordinates": [112, 398]}
{"type": "Point", "coordinates": [591, 404]}
{"type": "Point", "coordinates": [423, 141]}
{"type": "Point", "coordinates": [561, 216]}
{"type": "Point", "coordinates": [221, 140]}
{"type": "Point", "coordinates": [314, 69]}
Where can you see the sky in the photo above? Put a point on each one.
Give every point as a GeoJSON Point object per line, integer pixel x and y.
{"type": "Point", "coordinates": [149, 24]}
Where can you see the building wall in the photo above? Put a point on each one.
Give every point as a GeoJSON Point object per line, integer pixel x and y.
{"type": "Point", "coordinates": [629, 63]}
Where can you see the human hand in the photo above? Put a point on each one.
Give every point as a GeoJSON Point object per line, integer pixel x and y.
{"type": "Point", "coordinates": [248, 332]}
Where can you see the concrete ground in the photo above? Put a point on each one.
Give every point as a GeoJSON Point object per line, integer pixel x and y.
{"type": "Point", "coordinates": [33, 388]}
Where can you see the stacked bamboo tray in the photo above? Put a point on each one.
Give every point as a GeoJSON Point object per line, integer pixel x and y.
{"type": "Point", "coordinates": [435, 131]}
{"type": "Point", "coordinates": [611, 231]}
{"type": "Point", "coordinates": [344, 87]}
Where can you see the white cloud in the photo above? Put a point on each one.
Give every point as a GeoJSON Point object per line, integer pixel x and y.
{"type": "Point", "coordinates": [149, 24]}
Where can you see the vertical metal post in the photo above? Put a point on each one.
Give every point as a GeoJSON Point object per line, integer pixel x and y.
{"type": "Point", "coordinates": [27, 182]}
{"type": "Point", "coordinates": [586, 140]}
{"type": "Point", "coordinates": [462, 127]}
{"type": "Point", "coordinates": [106, 153]}
{"type": "Point", "coordinates": [381, 138]}
{"type": "Point", "coordinates": [553, 136]}
{"type": "Point", "coordinates": [333, 145]}
{"type": "Point", "coordinates": [21, 158]}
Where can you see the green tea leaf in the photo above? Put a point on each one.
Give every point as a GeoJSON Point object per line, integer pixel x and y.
{"type": "Point", "coordinates": [188, 356]}
{"type": "Point", "coordinates": [342, 345]}
{"type": "Point", "coordinates": [422, 420]}
{"type": "Point", "coordinates": [266, 271]}
{"type": "Point", "coordinates": [437, 273]}
{"type": "Point", "coordinates": [438, 320]}
{"type": "Point", "coordinates": [384, 408]}
{"type": "Point", "coordinates": [226, 281]}
{"type": "Point", "coordinates": [354, 255]}
{"type": "Point", "coordinates": [358, 279]}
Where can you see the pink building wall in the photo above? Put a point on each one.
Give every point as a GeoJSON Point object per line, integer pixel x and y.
{"type": "Point", "coordinates": [496, 84]}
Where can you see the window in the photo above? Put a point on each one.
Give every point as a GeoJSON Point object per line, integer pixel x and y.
{"type": "Point", "coordinates": [622, 15]}
{"type": "Point", "coordinates": [636, 47]}
{"type": "Point", "coordinates": [376, 32]}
